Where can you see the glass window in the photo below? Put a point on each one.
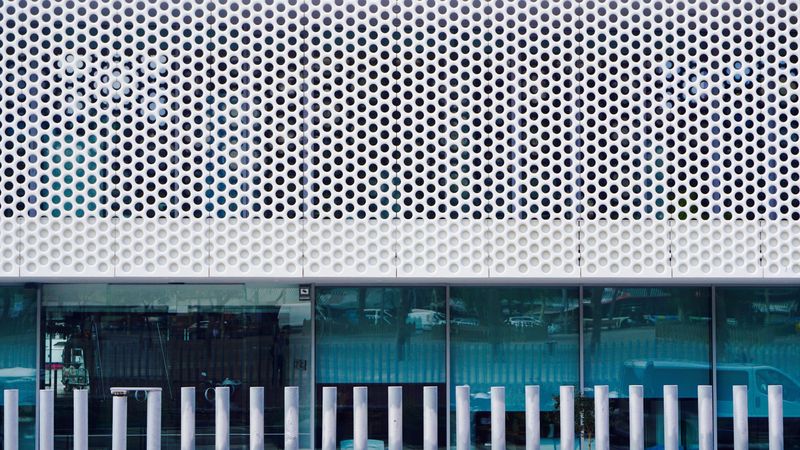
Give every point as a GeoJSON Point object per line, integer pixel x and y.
{"type": "Point", "coordinates": [171, 336]}
{"type": "Point", "coordinates": [758, 336]}
{"type": "Point", "coordinates": [648, 336]}
{"type": "Point", "coordinates": [512, 337]}
{"type": "Point", "coordinates": [380, 337]}
{"type": "Point", "coordinates": [18, 323]}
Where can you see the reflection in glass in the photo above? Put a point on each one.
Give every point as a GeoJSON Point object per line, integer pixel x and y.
{"type": "Point", "coordinates": [18, 356]}
{"type": "Point", "coordinates": [650, 337]}
{"type": "Point", "coordinates": [170, 336]}
{"type": "Point", "coordinates": [758, 344]}
{"type": "Point", "coordinates": [513, 336]}
{"type": "Point", "coordinates": [380, 337]}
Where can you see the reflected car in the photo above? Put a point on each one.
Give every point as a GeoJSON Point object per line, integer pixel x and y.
{"type": "Point", "coordinates": [465, 321]}
{"type": "Point", "coordinates": [425, 319]}
{"type": "Point", "coordinates": [524, 322]}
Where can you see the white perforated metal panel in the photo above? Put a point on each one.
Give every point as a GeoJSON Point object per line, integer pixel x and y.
{"type": "Point", "coordinates": [399, 138]}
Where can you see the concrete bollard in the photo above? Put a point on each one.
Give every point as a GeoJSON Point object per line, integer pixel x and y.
{"type": "Point", "coordinates": [360, 418]}
{"type": "Point", "coordinates": [462, 418]}
{"type": "Point", "coordinates": [430, 418]}
{"type": "Point", "coordinates": [329, 418]}
{"type": "Point", "coordinates": [532, 430]}
{"type": "Point", "coordinates": [705, 417]}
{"type": "Point", "coordinates": [80, 419]}
{"type": "Point", "coordinates": [567, 416]}
{"type": "Point", "coordinates": [222, 414]}
{"type": "Point", "coordinates": [601, 417]}
{"type": "Point", "coordinates": [187, 418]}
{"type": "Point", "coordinates": [119, 420]}
{"type": "Point", "coordinates": [741, 439]}
{"type": "Point", "coordinates": [291, 418]}
{"type": "Point", "coordinates": [775, 407]}
{"type": "Point", "coordinates": [671, 418]}
{"type": "Point", "coordinates": [396, 418]}
{"type": "Point", "coordinates": [11, 419]}
{"type": "Point", "coordinates": [256, 418]}
{"type": "Point", "coordinates": [154, 420]}
{"type": "Point", "coordinates": [636, 418]}
{"type": "Point", "coordinates": [498, 396]}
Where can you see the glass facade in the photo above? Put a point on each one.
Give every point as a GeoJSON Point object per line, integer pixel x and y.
{"type": "Point", "coordinates": [647, 336]}
{"type": "Point", "coordinates": [380, 337]}
{"type": "Point", "coordinates": [758, 344]}
{"type": "Point", "coordinates": [512, 337]}
{"type": "Point", "coordinates": [18, 355]}
{"type": "Point", "coordinates": [99, 336]}
{"type": "Point", "coordinates": [170, 336]}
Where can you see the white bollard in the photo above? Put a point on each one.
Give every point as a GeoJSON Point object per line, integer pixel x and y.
{"type": "Point", "coordinates": [532, 430]}
{"type": "Point", "coordinates": [329, 417]}
{"type": "Point", "coordinates": [430, 418]}
{"type": "Point", "coordinates": [11, 419]}
{"type": "Point", "coordinates": [80, 418]}
{"type": "Point", "coordinates": [360, 418]}
{"type": "Point", "coordinates": [154, 420]}
{"type": "Point", "coordinates": [498, 396]}
{"type": "Point", "coordinates": [462, 418]}
{"type": "Point", "coordinates": [775, 402]}
{"type": "Point", "coordinates": [396, 418]}
{"type": "Point", "coordinates": [567, 417]}
{"type": "Point", "coordinates": [187, 418]}
{"type": "Point", "coordinates": [671, 417]}
{"type": "Point", "coordinates": [741, 439]}
{"type": "Point", "coordinates": [636, 416]}
{"type": "Point", "coordinates": [119, 420]}
{"type": "Point", "coordinates": [46, 431]}
{"type": "Point", "coordinates": [705, 417]}
{"type": "Point", "coordinates": [256, 418]}
{"type": "Point", "coordinates": [222, 418]}
{"type": "Point", "coordinates": [601, 417]}
{"type": "Point", "coordinates": [291, 418]}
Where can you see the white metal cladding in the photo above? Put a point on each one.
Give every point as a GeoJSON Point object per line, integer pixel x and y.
{"type": "Point", "coordinates": [400, 139]}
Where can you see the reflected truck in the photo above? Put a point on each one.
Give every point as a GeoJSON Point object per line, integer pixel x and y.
{"type": "Point", "coordinates": [687, 375]}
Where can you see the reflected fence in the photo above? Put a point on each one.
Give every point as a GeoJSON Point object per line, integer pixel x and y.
{"type": "Point", "coordinates": [430, 413]}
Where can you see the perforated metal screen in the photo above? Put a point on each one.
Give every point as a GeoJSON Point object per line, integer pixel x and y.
{"type": "Point", "coordinates": [400, 138]}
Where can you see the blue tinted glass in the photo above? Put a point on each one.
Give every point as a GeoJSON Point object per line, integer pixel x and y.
{"type": "Point", "coordinates": [173, 336]}
{"type": "Point", "coordinates": [380, 337]}
{"type": "Point", "coordinates": [650, 337]}
{"type": "Point", "coordinates": [512, 337]}
{"type": "Point", "coordinates": [18, 356]}
{"type": "Point", "coordinates": [758, 344]}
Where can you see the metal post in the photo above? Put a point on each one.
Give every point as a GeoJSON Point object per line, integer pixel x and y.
{"type": "Point", "coordinates": [187, 418]}
{"type": "Point", "coordinates": [498, 396]}
{"type": "Point", "coordinates": [601, 417]}
{"type": "Point", "coordinates": [222, 424]}
{"type": "Point", "coordinates": [636, 419]}
{"type": "Point", "coordinates": [11, 419]}
{"type": "Point", "coordinates": [462, 418]}
{"type": "Point", "coordinates": [671, 417]}
{"type": "Point", "coordinates": [741, 439]}
{"type": "Point", "coordinates": [154, 420]}
{"type": "Point", "coordinates": [46, 402]}
{"type": "Point", "coordinates": [396, 418]}
{"type": "Point", "coordinates": [532, 430]}
{"type": "Point", "coordinates": [256, 418]}
{"type": "Point", "coordinates": [567, 416]}
{"type": "Point", "coordinates": [291, 418]}
{"type": "Point", "coordinates": [430, 418]}
{"type": "Point", "coordinates": [705, 417]}
{"type": "Point", "coordinates": [329, 418]}
{"type": "Point", "coordinates": [359, 418]}
{"type": "Point", "coordinates": [775, 402]}
{"type": "Point", "coordinates": [119, 420]}
{"type": "Point", "coordinates": [80, 418]}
